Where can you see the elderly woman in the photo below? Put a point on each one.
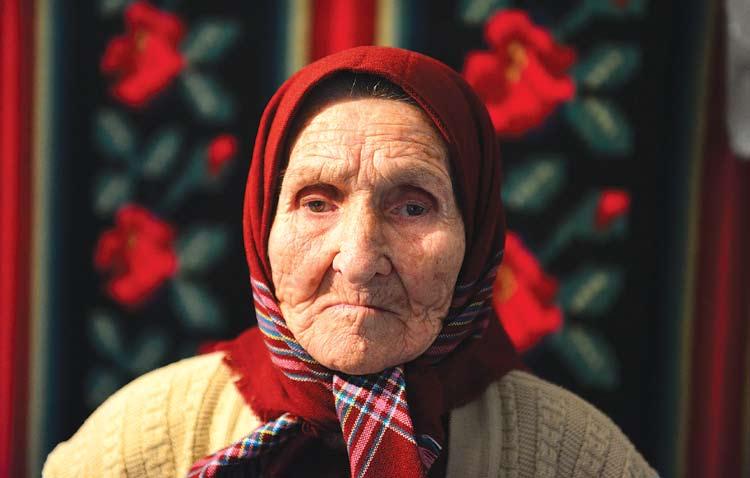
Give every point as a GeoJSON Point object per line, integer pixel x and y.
{"type": "Point", "coordinates": [373, 230]}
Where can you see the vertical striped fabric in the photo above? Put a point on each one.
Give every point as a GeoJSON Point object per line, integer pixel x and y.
{"type": "Point", "coordinates": [15, 228]}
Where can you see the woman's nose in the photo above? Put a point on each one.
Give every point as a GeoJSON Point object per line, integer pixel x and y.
{"type": "Point", "coordinates": [361, 255]}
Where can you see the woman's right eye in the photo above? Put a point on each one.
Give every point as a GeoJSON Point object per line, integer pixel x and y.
{"type": "Point", "coordinates": [317, 206]}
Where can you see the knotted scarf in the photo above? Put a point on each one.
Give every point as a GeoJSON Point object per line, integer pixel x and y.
{"type": "Point", "coordinates": [391, 422]}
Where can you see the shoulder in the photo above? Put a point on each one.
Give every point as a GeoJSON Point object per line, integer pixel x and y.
{"type": "Point", "coordinates": [525, 425]}
{"type": "Point", "coordinates": [157, 425]}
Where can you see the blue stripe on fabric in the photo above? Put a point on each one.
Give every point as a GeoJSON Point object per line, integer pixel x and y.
{"type": "Point", "coordinates": [302, 378]}
{"type": "Point", "coordinates": [291, 353]}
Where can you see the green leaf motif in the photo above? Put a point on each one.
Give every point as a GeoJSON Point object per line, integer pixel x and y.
{"type": "Point", "coordinates": [601, 125]}
{"type": "Point", "coordinates": [591, 291]}
{"type": "Point", "coordinates": [607, 67]}
{"type": "Point", "coordinates": [197, 308]}
{"type": "Point", "coordinates": [209, 100]}
{"type": "Point", "coordinates": [100, 383]}
{"type": "Point", "coordinates": [532, 185]}
{"type": "Point", "coordinates": [574, 224]}
{"type": "Point", "coordinates": [209, 39]}
{"type": "Point", "coordinates": [160, 154]}
{"type": "Point", "coordinates": [200, 248]}
{"type": "Point", "coordinates": [618, 8]}
{"type": "Point", "coordinates": [111, 190]}
{"type": "Point", "coordinates": [616, 230]}
{"type": "Point", "coordinates": [148, 351]}
{"type": "Point", "coordinates": [588, 356]}
{"type": "Point", "coordinates": [192, 177]}
{"type": "Point", "coordinates": [475, 12]}
{"type": "Point", "coordinates": [113, 134]}
{"type": "Point", "coordinates": [105, 333]}
{"type": "Point", "coordinates": [108, 8]}
{"type": "Point", "coordinates": [587, 11]}
{"type": "Point", "coordinates": [580, 223]}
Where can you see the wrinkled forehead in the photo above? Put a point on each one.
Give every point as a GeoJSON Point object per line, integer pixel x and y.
{"type": "Point", "coordinates": [363, 122]}
{"type": "Point", "coordinates": [342, 87]}
{"type": "Point", "coordinates": [372, 108]}
{"type": "Point", "coordinates": [370, 144]}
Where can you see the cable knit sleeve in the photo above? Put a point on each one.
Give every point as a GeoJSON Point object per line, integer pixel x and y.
{"type": "Point", "coordinates": [523, 426]}
{"type": "Point", "coordinates": [157, 425]}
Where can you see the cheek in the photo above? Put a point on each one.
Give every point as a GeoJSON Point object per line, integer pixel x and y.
{"type": "Point", "coordinates": [298, 261]}
{"type": "Point", "coordinates": [429, 265]}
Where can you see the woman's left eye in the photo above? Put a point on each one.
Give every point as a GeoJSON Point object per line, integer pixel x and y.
{"type": "Point", "coordinates": [411, 210]}
{"type": "Point", "coordinates": [318, 206]}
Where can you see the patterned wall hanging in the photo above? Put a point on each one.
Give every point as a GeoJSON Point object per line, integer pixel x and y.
{"type": "Point", "coordinates": [156, 263]}
{"type": "Point", "coordinates": [538, 89]}
{"type": "Point", "coordinates": [176, 89]}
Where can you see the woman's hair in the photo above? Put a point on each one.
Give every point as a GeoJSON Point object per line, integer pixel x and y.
{"type": "Point", "coordinates": [349, 84]}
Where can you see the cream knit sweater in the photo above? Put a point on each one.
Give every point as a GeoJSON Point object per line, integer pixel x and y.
{"type": "Point", "coordinates": [162, 422]}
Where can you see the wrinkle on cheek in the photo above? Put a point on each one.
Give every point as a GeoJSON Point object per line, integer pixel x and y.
{"type": "Point", "coordinates": [295, 286]}
{"type": "Point", "coordinates": [294, 279]}
{"type": "Point", "coordinates": [430, 270]}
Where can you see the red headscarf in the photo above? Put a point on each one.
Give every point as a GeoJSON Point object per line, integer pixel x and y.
{"type": "Point", "coordinates": [391, 421]}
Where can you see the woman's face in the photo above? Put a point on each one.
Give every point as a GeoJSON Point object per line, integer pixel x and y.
{"type": "Point", "coordinates": [367, 240]}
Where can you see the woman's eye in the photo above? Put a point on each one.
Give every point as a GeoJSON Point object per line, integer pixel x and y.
{"type": "Point", "coordinates": [317, 205]}
{"type": "Point", "coordinates": [411, 210]}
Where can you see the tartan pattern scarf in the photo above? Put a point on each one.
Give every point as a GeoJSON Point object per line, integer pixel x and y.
{"type": "Point", "coordinates": [391, 422]}
{"type": "Point", "coordinates": [371, 409]}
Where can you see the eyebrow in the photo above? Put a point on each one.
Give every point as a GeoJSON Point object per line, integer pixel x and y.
{"type": "Point", "coordinates": [414, 174]}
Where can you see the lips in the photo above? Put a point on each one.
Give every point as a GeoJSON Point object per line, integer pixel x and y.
{"type": "Point", "coordinates": [349, 307]}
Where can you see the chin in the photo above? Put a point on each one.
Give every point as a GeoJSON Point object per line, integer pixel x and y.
{"type": "Point", "coordinates": [360, 342]}
{"type": "Point", "coordinates": [359, 368]}
{"type": "Point", "coordinates": [354, 356]}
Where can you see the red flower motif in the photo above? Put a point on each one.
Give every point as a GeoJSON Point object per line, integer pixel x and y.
{"type": "Point", "coordinates": [523, 78]}
{"type": "Point", "coordinates": [145, 59]}
{"type": "Point", "coordinates": [139, 254]}
{"type": "Point", "coordinates": [220, 151]}
{"type": "Point", "coordinates": [613, 203]}
{"type": "Point", "coordinates": [524, 296]}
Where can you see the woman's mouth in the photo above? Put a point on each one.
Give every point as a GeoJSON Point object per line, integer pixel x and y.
{"type": "Point", "coordinates": [359, 308]}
